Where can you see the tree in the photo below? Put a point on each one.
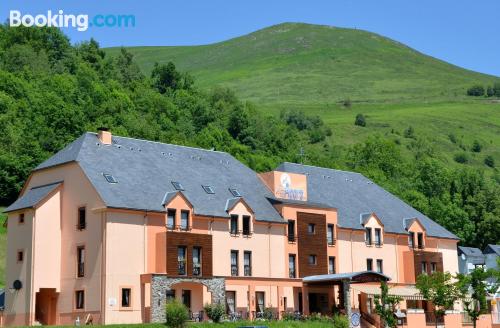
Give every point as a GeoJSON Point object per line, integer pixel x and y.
{"type": "Point", "coordinates": [476, 147]}
{"type": "Point", "coordinates": [474, 288]}
{"type": "Point", "coordinates": [490, 92]}
{"type": "Point", "coordinates": [489, 161]}
{"type": "Point", "coordinates": [476, 91]}
{"type": "Point", "coordinates": [385, 306]}
{"type": "Point", "coordinates": [496, 89]}
{"type": "Point", "coordinates": [360, 120]}
{"type": "Point", "coordinates": [438, 289]}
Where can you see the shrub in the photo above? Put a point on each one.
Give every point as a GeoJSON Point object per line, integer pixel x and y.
{"type": "Point", "coordinates": [476, 91]}
{"type": "Point", "coordinates": [289, 316]}
{"type": "Point", "coordinates": [360, 120]}
{"type": "Point", "coordinates": [215, 312]}
{"type": "Point", "coordinates": [177, 314]}
{"type": "Point", "coordinates": [476, 147]}
{"type": "Point", "coordinates": [268, 314]}
{"type": "Point", "coordinates": [490, 92]}
{"type": "Point", "coordinates": [409, 132]}
{"type": "Point", "coordinates": [340, 321]}
{"type": "Point", "coordinates": [461, 158]}
{"type": "Point", "coordinates": [489, 161]}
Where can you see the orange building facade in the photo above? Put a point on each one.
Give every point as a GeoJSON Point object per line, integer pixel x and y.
{"type": "Point", "coordinates": [110, 228]}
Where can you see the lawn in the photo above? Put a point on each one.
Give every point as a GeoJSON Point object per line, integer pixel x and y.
{"type": "Point", "coordinates": [270, 324]}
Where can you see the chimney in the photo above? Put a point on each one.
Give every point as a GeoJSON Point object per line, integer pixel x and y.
{"type": "Point", "coordinates": [104, 136]}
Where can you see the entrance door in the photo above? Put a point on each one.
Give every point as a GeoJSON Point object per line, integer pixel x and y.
{"type": "Point", "coordinates": [46, 306]}
{"type": "Point", "coordinates": [186, 298]}
{"type": "Point", "coordinates": [318, 303]}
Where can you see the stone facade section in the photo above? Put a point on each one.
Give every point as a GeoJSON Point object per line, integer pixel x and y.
{"type": "Point", "coordinates": [160, 284]}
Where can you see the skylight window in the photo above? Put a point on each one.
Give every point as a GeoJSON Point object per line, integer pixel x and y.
{"type": "Point", "coordinates": [235, 192]}
{"type": "Point", "coordinates": [110, 178]}
{"type": "Point", "coordinates": [177, 185]}
{"type": "Point", "coordinates": [208, 189]}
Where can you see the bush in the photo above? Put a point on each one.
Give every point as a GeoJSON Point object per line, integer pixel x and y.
{"type": "Point", "coordinates": [177, 314]}
{"type": "Point", "coordinates": [461, 158]}
{"type": "Point", "coordinates": [360, 120]}
{"type": "Point", "coordinates": [215, 312]}
{"type": "Point", "coordinates": [489, 161]}
{"type": "Point", "coordinates": [496, 89]}
{"type": "Point", "coordinates": [340, 321]}
{"type": "Point", "coordinates": [409, 132]}
{"type": "Point", "coordinates": [289, 316]}
{"type": "Point", "coordinates": [476, 147]}
{"type": "Point", "coordinates": [268, 314]}
{"type": "Point", "coordinates": [490, 92]}
{"type": "Point", "coordinates": [476, 91]}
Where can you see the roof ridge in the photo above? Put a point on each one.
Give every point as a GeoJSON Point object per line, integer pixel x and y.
{"type": "Point", "coordinates": [47, 184]}
{"type": "Point", "coordinates": [321, 167]}
{"type": "Point", "coordinates": [167, 144]}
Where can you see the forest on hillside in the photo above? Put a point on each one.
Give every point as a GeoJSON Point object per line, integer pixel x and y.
{"type": "Point", "coordinates": [52, 91]}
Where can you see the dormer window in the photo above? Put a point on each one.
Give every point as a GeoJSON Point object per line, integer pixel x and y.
{"type": "Point", "coordinates": [177, 185]}
{"type": "Point", "coordinates": [208, 189]}
{"type": "Point", "coordinates": [378, 237]}
{"type": "Point", "coordinates": [411, 239]}
{"type": "Point", "coordinates": [420, 240]}
{"type": "Point", "coordinates": [368, 236]}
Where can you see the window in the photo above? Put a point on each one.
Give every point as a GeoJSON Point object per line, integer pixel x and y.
{"type": "Point", "coordinates": [79, 299]}
{"type": "Point", "coordinates": [260, 297]}
{"type": "Point", "coordinates": [312, 259]}
{"type": "Point", "coordinates": [420, 240]}
{"type": "Point", "coordinates": [311, 228]}
{"type": "Point", "coordinates": [433, 267]}
{"type": "Point", "coordinates": [82, 221]}
{"type": "Point", "coordinates": [184, 220]}
{"type": "Point", "coordinates": [378, 237]}
{"type": "Point", "coordinates": [380, 266]}
{"type": "Point", "coordinates": [234, 224]}
{"type": "Point", "coordinates": [196, 261]}
{"type": "Point", "coordinates": [230, 302]}
{"type": "Point", "coordinates": [208, 189]}
{"type": "Point", "coordinates": [330, 236]}
{"type": "Point", "coordinates": [177, 185]}
{"type": "Point", "coordinates": [423, 267]}
{"type": "Point", "coordinates": [80, 259]}
{"type": "Point", "coordinates": [368, 236]}
{"type": "Point", "coordinates": [126, 297]}
{"type": "Point", "coordinates": [369, 264]}
{"type": "Point", "coordinates": [291, 230]}
{"type": "Point", "coordinates": [110, 178]}
{"type": "Point", "coordinates": [170, 294]}
{"type": "Point", "coordinates": [331, 265]}
{"type": "Point", "coordinates": [234, 192]}
{"type": "Point", "coordinates": [170, 219]}
{"type": "Point", "coordinates": [411, 239]}
{"type": "Point", "coordinates": [20, 256]}
{"type": "Point", "coordinates": [181, 260]}
{"type": "Point", "coordinates": [291, 266]}
{"type": "Point", "coordinates": [21, 218]}
{"type": "Point", "coordinates": [234, 263]}
{"type": "Point", "coordinates": [246, 225]}
{"type": "Point", "coordinates": [247, 263]}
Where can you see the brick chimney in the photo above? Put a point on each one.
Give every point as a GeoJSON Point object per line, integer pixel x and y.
{"type": "Point", "coordinates": [104, 136]}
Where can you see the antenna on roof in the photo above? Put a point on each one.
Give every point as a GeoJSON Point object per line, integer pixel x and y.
{"type": "Point", "coordinates": [302, 155]}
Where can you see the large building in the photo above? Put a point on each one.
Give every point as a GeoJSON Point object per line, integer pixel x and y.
{"type": "Point", "coordinates": [110, 227]}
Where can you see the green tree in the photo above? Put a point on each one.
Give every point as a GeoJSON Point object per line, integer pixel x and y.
{"type": "Point", "coordinates": [496, 89]}
{"type": "Point", "coordinates": [385, 306]}
{"type": "Point", "coordinates": [438, 289]}
{"type": "Point", "coordinates": [476, 91]}
{"type": "Point", "coordinates": [490, 92]}
{"type": "Point", "coordinates": [474, 288]}
{"type": "Point", "coordinates": [360, 120]}
{"type": "Point", "coordinates": [176, 314]}
{"type": "Point", "coordinates": [476, 146]}
{"type": "Point", "coordinates": [489, 161]}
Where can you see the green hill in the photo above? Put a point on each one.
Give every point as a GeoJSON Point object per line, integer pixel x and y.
{"type": "Point", "coordinates": [311, 64]}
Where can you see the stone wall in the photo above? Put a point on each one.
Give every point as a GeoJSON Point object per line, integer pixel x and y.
{"type": "Point", "coordinates": [160, 284]}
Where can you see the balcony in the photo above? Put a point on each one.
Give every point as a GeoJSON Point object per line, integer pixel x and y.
{"type": "Point", "coordinates": [234, 270]}
{"type": "Point", "coordinates": [181, 268]}
{"type": "Point", "coordinates": [292, 238]}
{"type": "Point", "coordinates": [247, 271]}
{"type": "Point", "coordinates": [81, 226]}
{"type": "Point", "coordinates": [431, 319]}
{"type": "Point", "coordinates": [330, 241]}
{"type": "Point", "coordinates": [292, 273]}
{"type": "Point", "coordinates": [196, 269]}
{"type": "Point", "coordinates": [81, 270]}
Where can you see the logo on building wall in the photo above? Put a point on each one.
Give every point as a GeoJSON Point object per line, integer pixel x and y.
{"type": "Point", "coordinates": [286, 191]}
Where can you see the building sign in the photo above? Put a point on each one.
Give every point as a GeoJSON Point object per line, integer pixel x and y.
{"type": "Point", "coordinates": [286, 189]}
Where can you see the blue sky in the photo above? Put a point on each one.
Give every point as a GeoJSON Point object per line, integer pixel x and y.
{"type": "Point", "coordinates": [465, 33]}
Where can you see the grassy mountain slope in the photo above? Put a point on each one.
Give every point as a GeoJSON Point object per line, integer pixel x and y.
{"type": "Point", "coordinates": [311, 64]}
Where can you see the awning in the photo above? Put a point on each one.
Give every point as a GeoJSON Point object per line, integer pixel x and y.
{"type": "Point", "coordinates": [408, 292]}
{"type": "Point", "coordinates": [351, 277]}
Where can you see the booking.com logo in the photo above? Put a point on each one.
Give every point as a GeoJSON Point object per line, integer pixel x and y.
{"type": "Point", "coordinates": [81, 21]}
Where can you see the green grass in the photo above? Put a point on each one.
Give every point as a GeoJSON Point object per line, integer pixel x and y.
{"type": "Point", "coordinates": [271, 324]}
{"type": "Point", "coordinates": [3, 247]}
{"type": "Point", "coordinates": [307, 64]}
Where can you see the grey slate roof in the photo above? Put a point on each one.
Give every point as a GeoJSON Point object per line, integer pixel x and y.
{"type": "Point", "coordinates": [353, 194]}
{"type": "Point", "coordinates": [145, 169]}
{"type": "Point", "coordinates": [474, 255]}
{"type": "Point", "coordinates": [343, 276]}
{"type": "Point", "coordinates": [32, 197]}
{"type": "Point", "coordinates": [492, 249]}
